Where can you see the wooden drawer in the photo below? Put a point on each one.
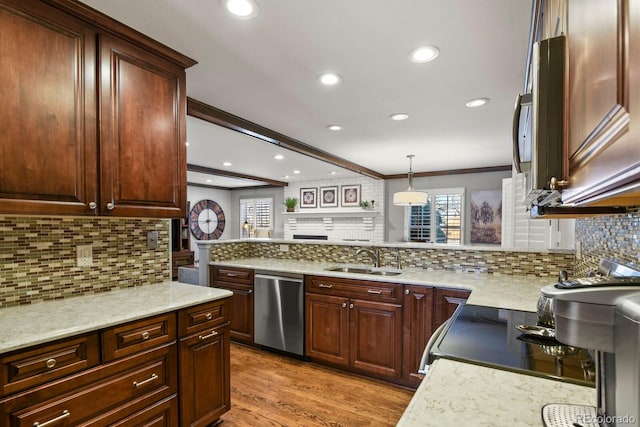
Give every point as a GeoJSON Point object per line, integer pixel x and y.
{"type": "Point", "coordinates": [230, 274]}
{"type": "Point", "coordinates": [357, 289]}
{"type": "Point", "coordinates": [130, 338]}
{"type": "Point", "coordinates": [32, 367]}
{"type": "Point", "coordinates": [138, 382]}
{"type": "Point", "coordinates": [161, 414]}
{"type": "Point", "coordinates": [204, 316]}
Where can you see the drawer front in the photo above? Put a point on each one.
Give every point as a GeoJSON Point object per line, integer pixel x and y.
{"type": "Point", "coordinates": [161, 414]}
{"type": "Point", "coordinates": [25, 369]}
{"type": "Point", "coordinates": [142, 384]}
{"type": "Point", "coordinates": [229, 274]}
{"type": "Point", "coordinates": [360, 289]}
{"type": "Point", "coordinates": [203, 316]}
{"type": "Point", "coordinates": [124, 340]}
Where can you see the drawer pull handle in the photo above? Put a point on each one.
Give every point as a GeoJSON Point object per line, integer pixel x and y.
{"type": "Point", "coordinates": [204, 337]}
{"type": "Point", "coordinates": [50, 363]}
{"type": "Point", "coordinates": [375, 291]}
{"type": "Point", "coordinates": [145, 335]}
{"type": "Point", "coordinates": [65, 414]}
{"type": "Point", "coordinates": [322, 285]}
{"type": "Point", "coordinates": [153, 377]}
{"type": "Point", "coordinates": [232, 274]}
{"type": "Point", "coordinates": [209, 316]}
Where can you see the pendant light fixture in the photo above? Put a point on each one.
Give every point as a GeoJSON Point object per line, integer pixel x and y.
{"type": "Point", "coordinates": [410, 197]}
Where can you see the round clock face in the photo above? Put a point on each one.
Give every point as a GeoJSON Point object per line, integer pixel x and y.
{"type": "Point", "coordinates": [206, 220]}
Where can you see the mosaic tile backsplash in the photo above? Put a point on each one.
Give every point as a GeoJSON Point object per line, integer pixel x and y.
{"type": "Point", "coordinates": [614, 237]}
{"type": "Point", "coordinates": [38, 256]}
{"type": "Point", "coordinates": [498, 262]}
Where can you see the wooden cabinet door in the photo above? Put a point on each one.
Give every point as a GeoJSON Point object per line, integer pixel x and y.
{"type": "Point", "coordinates": [327, 329]}
{"type": "Point", "coordinates": [204, 377]}
{"type": "Point", "coordinates": [604, 100]}
{"type": "Point", "coordinates": [142, 132]}
{"type": "Point", "coordinates": [48, 121]}
{"type": "Point", "coordinates": [446, 302]}
{"type": "Point", "coordinates": [240, 311]}
{"type": "Point", "coordinates": [417, 328]}
{"type": "Point", "coordinates": [376, 338]}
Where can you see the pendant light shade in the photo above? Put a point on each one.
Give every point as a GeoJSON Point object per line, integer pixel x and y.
{"type": "Point", "coordinates": [410, 197]}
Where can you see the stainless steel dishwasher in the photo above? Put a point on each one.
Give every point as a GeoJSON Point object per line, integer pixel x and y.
{"type": "Point", "coordinates": [279, 311]}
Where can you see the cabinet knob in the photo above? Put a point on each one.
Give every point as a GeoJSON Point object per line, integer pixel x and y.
{"type": "Point", "coordinates": [556, 184]}
{"type": "Point", "coordinates": [145, 335]}
{"type": "Point", "coordinates": [344, 304]}
{"type": "Point", "coordinates": [111, 206]}
{"type": "Point", "coordinates": [208, 316]}
{"type": "Point", "coordinates": [50, 363]}
{"type": "Point", "coordinates": [93, 205]}
{"type": "Point", "coordinates": [350, 305]}
{"type": "Point", "coordinates": [406, 291]}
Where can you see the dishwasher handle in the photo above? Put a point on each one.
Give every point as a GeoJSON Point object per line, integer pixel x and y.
{"type": "Point", "coordinates": [424, 360]}
{"type": "Point", "coordinates": [298, 278]}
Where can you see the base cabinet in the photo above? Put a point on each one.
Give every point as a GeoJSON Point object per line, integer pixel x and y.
{"type": "Point", "coordinates": [241, 304]}
{"type": "Point", "coordinates": [165, 370]}
{"type": "Point", "coordinates": [355, 325]}
{"type": "Point", "coordinates": [417, 328]}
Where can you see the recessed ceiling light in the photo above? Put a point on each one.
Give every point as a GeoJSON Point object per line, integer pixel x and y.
{"type": "Point", "coordinates": [334, 127]}
{"type": "Point", "coordinates": [226, 164]}
{"type": "Point", "coordinates": [330, 79]}
{"type": "Point", "coordinates": [399, 116]}
{"type": "Point", "coordinates": [209, 181]}
{"type": "Point", "coordinates": [286, 177]}
{"type": "Point", "coordinates": [477, 102]}
{"type": "Point", "coordinates": [333, 172]}
{"type": "Point", "coordinates": [243, 9]}
{"type": "Point", "coordinates": [278, 157]}
{"type": "Point", "coordinates": [186, 143]}
{"type": "Point", "coordinates": [296, 171]}
{"type": "Point", "coordinates": [424, 54]}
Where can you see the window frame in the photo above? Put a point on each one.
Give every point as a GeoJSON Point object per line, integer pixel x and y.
{"type": "Point", "coordinates": [433, 192]}
{"type": "Point", "coordinates": [242, 215]}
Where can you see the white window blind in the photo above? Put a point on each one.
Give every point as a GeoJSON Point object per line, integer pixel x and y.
{"type": "Point", "coordinates": [440, 220]}
{"type": "Point", "coordinates": [257, 213]}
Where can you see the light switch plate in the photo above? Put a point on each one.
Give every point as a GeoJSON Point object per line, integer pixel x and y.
{"type": "Point", "coordinates": [84, 255]}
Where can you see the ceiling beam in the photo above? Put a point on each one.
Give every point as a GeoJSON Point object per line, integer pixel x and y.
{"type": "Point", "coordinates": [452, 172]}
{"type": "Point", "coordinates": [222, 118]}
{"type": "Point", "coordinates": [220, 172]}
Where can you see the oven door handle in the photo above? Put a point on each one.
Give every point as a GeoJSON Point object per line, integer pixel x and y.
{"type": "Point", "coordinates": [424, 361]}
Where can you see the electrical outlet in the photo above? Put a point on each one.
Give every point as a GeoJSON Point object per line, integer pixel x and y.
{"type": "Point", "coordinates": [84, 255]}
{"type": "Point", "coordinates": [284, 248]}
{"type": "Point", "coordinates": [152, 239]}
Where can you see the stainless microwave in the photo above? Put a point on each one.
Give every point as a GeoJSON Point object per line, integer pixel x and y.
{"type": "Point", "coordinates": [538, 124]}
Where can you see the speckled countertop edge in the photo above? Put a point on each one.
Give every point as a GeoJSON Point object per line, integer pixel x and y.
{"type": "Point", "coordinates": [28, 325]}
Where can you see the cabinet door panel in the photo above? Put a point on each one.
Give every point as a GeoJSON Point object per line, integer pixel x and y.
{"type": "Point", "coordinates": [204, 377]}
{"type": "Point", "coordinates": [240, 311]}
{"type": "Point", "coordinates": [418, 327]}
{"type": "Point", "coordinates": [327, 327]}
{"type": "Point", "coordinates": [47, 125]}
{"type": "Point", "coordinates": [446, 302]}
{"type": "Point", "coordinates": [376, 338]}
{"type": "Point", "coordinates": [143, 155]}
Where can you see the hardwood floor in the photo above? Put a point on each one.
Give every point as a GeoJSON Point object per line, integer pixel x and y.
{"type": "Point", "coordinates": [272, 390]}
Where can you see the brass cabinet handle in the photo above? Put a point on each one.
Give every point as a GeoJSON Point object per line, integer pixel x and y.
{"type": "Point", "coordinates": [93, 205]}
{"type": "Point", "coordinates": [374, 291]}
{"type": "Point", "coordinates": [208, 316]}
{"type": "Point", "coordinates": [145, 335]}
{"type": "Point", "coordinates": [204, 337]}
{"type": "Point", "coordinates": [232, 274]}
{"type": "Point", "coordinates": [50, 363]}
{"type": "Point", "coordinates": [111, 206]}
{"type": "Point", "coordinates": [322, 285]}
{"type": "Point", "coordinates": [65, 414]}
{"type": "Point", "coordinates": [153, 377]}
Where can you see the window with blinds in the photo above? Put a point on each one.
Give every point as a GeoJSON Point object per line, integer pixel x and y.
{"type": "Point", "coordinates": [440, 220]}
{"type": "Point", "coordinates": [255, 214]}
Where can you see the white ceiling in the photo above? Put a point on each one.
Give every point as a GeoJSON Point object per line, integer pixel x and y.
{"type": "Point", "coordinates": [265, 70]}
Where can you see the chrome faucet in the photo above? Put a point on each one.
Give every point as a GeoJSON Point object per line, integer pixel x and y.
{"type": "Point", "coordinates": [374, 253]}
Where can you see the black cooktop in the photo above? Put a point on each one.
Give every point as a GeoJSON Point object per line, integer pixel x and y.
{"type": "Point", "coordinates": [488, 336]}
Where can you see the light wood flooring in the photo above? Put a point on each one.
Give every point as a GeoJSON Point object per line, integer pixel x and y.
{"type": "Point", "coordinates": [273, 390]}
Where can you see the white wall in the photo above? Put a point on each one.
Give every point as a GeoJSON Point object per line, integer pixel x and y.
{"type": "Point", "coordinates": [473, 181]}
{"type": "Point", "coordinates": [221, 197]}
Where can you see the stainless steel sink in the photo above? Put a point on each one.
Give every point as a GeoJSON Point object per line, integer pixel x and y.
{"type": "Point", "coordinates": [365, 270]}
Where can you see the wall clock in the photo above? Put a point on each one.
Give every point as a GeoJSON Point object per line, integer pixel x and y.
{"type": "Point", "coordinates": [206, 220]}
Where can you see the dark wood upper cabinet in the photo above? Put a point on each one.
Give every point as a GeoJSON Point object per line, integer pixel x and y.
{"type": "Point", "coordinates": [603, 103]}
{"type": "Point", "coordinates": [62, 62]}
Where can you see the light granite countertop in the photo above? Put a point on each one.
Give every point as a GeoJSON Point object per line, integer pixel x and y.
{"type": "Point", "coordinates": [461, 394]}
{"type": "Point", "coordinates": [28, 325]}
{"type": "Point", "coordinates": [492, 290]}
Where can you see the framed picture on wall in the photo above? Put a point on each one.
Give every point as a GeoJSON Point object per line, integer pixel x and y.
{"type": "Point", "coordinates": [486, 216]}
{"type": "Point", "coordinates": [309, 197]}
{"type": "Point", "coordinates": [350, 195]}
{"type": "Point", "coordinates": [329, 197]}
